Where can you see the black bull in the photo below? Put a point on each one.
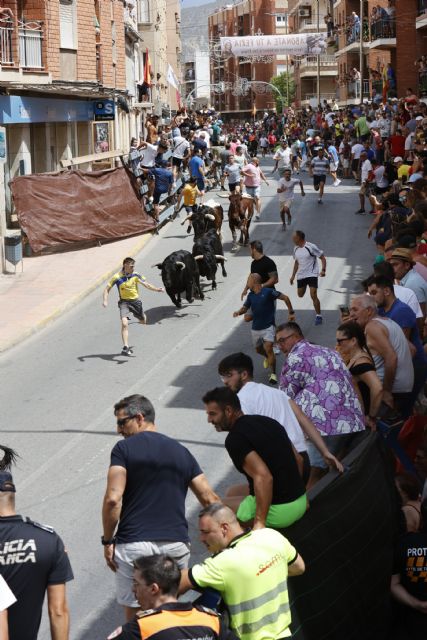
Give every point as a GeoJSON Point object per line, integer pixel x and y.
{"type": "Point", "coordinates": [208, 253]}
{"type": "Point", "coordinates": [180, 274]}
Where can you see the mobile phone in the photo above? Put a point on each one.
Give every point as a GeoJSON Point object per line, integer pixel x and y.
{"type": "Point", "coordinates": [345, 311]}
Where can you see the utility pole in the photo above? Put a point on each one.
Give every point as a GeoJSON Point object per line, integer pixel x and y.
{"type": "Point", "coordinates": [287, 65]}
{"type": "Point", "coordinates": [318, 55]}
{"type": "Point", "coordinates": [361, 52]}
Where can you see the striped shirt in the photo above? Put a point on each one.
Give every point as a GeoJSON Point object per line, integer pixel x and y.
{"type": "Point", "coordinates": [320, 166]}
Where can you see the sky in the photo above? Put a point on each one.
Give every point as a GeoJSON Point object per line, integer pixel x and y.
{"type": "Point", "coordinates": [195, 3]}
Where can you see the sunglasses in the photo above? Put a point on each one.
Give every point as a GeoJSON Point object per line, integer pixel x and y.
{"type": "Point", "coordinates": [122, 421]}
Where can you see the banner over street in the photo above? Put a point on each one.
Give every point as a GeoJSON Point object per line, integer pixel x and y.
{"type": "Point", "coordinates": [298, 44]}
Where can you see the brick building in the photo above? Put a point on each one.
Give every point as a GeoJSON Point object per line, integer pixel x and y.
{"type": "Point", "coordinates": [308, 16]}
{"type": "Point", "coordinates": [397, 38]}
{"type": "Point", "coordinates": [247, 17]}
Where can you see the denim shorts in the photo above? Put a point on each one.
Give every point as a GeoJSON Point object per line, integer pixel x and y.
{"type": "Point", "coordinates": [126, 553]}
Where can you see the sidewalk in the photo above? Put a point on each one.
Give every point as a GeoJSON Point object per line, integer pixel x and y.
{"type": "Point", "coordinates": [49, 285]}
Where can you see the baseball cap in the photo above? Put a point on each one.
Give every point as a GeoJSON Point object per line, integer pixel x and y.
{"type": "Point", "coordinates": [419, 118]}
{"type": "Point", "coordinates": [401, 253]}
{"type": "Point", "coordinates": [398, 159]}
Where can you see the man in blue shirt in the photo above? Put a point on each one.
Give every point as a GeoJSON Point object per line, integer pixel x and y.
{"type": "Point", "coordinates": [402, 262]}
{"type": "Point", "coordinates": [196, 168]}
{"type": "Point", "coordinates": [381, 288]}
{"type": "Point", "coordinates": [333, 163]}
{"type": "Point", "coordinates": [262, 303]}
{"type": "Point", "coordinates": [163, 181]}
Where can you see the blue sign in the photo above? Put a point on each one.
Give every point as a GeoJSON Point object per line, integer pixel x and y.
{"type": "Point", "coordinates": [103, 109]}
{"type": "Point", "coordinates": [22, 109]}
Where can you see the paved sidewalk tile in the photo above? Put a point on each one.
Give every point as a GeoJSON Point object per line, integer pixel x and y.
{"type": "Point", "coordinates": [51, 284]}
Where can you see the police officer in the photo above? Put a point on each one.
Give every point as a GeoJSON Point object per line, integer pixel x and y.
{"type": "Point", "coordinates": [156, 582]}
{"type": "Point", "coordinates": [32, 561]}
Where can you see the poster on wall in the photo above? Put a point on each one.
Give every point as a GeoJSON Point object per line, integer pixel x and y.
{"type": "Point", "coordinates": [101, 135]}
{"type": "Point", "coordinates": [3, 151]}
{"type": "Point", "coordinates": [298, 44]}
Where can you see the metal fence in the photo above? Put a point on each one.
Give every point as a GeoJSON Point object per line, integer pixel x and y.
{"type": "Point", "coordinates": [6, 50]}
{"type": "Point", "coordinates": [31, 44]}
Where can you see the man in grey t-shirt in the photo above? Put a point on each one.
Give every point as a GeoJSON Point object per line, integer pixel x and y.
{"type": "Point", "coordinates": [232, 172]}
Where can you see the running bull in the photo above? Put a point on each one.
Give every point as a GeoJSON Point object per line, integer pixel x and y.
{"type": "Point", "coordinates": [180, 274]}
{"type": "Point", "coordinates": [205, 217]}
{"type": "Point", "coordinates": [208, 253]}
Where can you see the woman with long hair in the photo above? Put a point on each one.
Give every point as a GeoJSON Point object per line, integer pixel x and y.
{"type": "Point", "coordinates": [351, 345]}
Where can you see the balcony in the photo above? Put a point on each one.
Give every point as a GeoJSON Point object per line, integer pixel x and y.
{"type": "Point", "coordinates": [6, 48]}
{"type": "Point", "coordinates": [383, 34]}
{"type": "Point", "coordinates": [308, 24]}
{"type": "Point", "coordinates": [311, 98]}
{"type": "Point", "coordinates": [422, 14]}
{"type": "Point", "coordinates": [350, 40]}
{"type": "Point", "coordinates": [353, 90]}
{"type": "Point", "coordinates": [308, 66]}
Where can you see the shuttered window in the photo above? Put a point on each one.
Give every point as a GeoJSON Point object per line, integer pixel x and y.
{"type": "Point", "coordinates": [67, 24]}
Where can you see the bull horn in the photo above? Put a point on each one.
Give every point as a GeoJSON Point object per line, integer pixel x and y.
{"type": "Point", "coordinates": [221, 258]}
{"type": "Point", "coordinates": [199, 257]}
{"type": "Point", "coordinates": [158, 265]}
{"type": "Point", "coordinates": [180, 264]}
{"type": "Point", "coordinates": [209, 216]}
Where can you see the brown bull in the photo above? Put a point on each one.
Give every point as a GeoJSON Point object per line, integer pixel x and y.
{"type": "Point", "coordinates": [240, 214]}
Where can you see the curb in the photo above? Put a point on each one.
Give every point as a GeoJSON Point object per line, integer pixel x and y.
{"type": "Point", "coordinates": [73, 301]}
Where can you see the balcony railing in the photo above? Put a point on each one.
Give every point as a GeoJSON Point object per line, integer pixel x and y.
{"type": "Point", "coordinates": [352, 33]}
{"type": "Point", "coordinates": [385, 28]}
{"type": "Point", "coordinates": [30, 44]}
{"type": "Point", "coordinates": [353, 89]}
{"type": "Point", "coordinates": [422, 84]}
{"type": "Point", "coordinates": [323, 96]}
{"type": "Point", "coordinates": [311, 61]}
{"type": "Point", "coordinates": [6, 49]}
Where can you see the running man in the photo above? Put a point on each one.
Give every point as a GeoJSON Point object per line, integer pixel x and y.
{"type": "Point", "coordinates": [261, 301]}
{"type": "Point", "coordinates": [306, 269]}
{"type": "Point", "coordinates": [282, 157]}
{"type": "Point", "coordinates": [286, 193]}
{"type": "Point", "coordinates": [127, 282]}
{"type": "Point", "coordinates": [319, 168]}
{"type": "Point", "coordinates": [334, 161]}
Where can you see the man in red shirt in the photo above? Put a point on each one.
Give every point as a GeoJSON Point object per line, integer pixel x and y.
{"type": "Point", "coordinates": [396, 144]}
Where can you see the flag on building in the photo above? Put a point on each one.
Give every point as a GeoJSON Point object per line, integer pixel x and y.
{"type": "Point", "coordinates": [171, 77]}
{"type": "Point", "coordinates": [147, 69]}
{"type": "Point", "coordinates": [254, 110]}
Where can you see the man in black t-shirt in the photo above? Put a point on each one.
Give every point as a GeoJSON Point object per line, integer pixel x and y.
{"type": "Point", "coordinates": [156, 580]}
{"type": "Point", "coordinates": [260, 449]}
{"type": "Point", "coordinates": [33, 561]}
{"type": "Point", "coordinates": [263, 265]}
{"type": "Point", "coordinates": [147, 484]}
{"type": "Point", "coordinates": [409, 582]}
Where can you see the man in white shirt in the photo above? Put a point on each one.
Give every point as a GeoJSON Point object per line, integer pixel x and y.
{"type": "Point", "coordinates": [237, 372]}
{"type": "Point", "coordinates": [365, 168]}
{"type": "Point", "coordinates": [283, 157]}
{"type": "Point", "coordinates": [306, 270]}
{"type": "Point", "coordinates": [180, 151]}
{"type": "Point", "coordinates": [356, 151]}
{"type": "Point", "coordinates": [286, 191]}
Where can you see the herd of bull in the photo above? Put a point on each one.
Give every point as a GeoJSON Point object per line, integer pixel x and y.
{"type": "Point", "coordinates": [181, 270]}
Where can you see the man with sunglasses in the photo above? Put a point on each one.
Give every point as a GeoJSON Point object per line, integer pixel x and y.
{"type": "Point", "coordinates": [143, 511]}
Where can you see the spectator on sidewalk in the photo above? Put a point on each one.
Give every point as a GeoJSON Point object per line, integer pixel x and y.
{"type": "Point", "coordinates": [365, 174]}
{"type": "Point", "coordinates": [403, 266]}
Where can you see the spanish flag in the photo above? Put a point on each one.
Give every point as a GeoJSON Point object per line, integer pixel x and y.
{"type": "Point", "coordinates": [385, 82]}
{"type": "Point", "coordinates": [147, 69]}
{"type": "Point", "coordinates": [254, 110]}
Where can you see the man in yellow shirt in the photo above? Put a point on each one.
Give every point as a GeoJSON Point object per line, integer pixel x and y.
{"type": "Point", "coordinates": [127, 281]}
{"type": "Point", "coordinates": [189, 193]}
{"type": "Point", "coordinates": [402, 169]}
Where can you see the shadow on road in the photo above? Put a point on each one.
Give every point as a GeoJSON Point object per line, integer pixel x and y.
{"type": "Point", "coordinates": [109, 357]}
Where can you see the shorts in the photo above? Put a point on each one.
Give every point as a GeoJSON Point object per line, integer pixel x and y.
{"type": "Point", "coordinates": [317, 180]}
{"type": "Point", "coordinates": [131, 306]}
{"type": "Point", "coordinates": [189, 208]}
{"type": "Point", "coordinates": [286, 203]}
{"type": "Point", "coordinates": [279, 515]}
{"type": "Point", "coordinates": [333, 443]}
{"type": "Point", "coordinates": [126, 553]}
{"type": "Point", "coordinates": [312, 283]}
{"type": "Point", "coordinates": [176, 162]}
{"type": "Point", "coordinates": [363, 188]}
{"type": "Point", "coordinates": [263, 335]}
{"type": "Point", "coordinates": [333, 166]}
{"type": "Point", "coordinates": [232, 186]}
{"type": "Point", "coordinates": [201, 184]}
{"type": "Point", "coordinates": [355, 165]}
{"type": "Point", "coordinates": [156, 196]}
{"type": "Point", "coordinates": [345, 163]}
{"type": "Point", "coordinates": [255, 192]}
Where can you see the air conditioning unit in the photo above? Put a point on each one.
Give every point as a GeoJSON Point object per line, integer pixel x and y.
{"type": "Point", "coordinates": [305, 12]}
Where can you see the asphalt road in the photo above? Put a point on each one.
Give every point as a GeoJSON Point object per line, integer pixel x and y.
{"type": "Point", "coordinates": [58, 388]}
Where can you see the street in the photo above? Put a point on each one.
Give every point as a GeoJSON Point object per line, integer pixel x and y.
{"type": "Point", "coordinates": [59, 386]}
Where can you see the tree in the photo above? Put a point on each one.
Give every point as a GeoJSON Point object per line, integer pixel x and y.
{"type": "Point", "coordinates": [285, 84]}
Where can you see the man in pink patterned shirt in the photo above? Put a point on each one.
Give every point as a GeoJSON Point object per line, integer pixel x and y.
{"type": "Point", "coordinates": [252, 179]}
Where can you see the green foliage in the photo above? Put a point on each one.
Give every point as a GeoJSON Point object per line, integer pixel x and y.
{"type": "Point", "coordinates": [285, 84]}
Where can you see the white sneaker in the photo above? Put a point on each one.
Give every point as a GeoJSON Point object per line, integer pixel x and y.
{"type": "Point", "coordinates": [337, 182]}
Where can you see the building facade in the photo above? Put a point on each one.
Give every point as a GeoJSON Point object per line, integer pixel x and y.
{"type": "Point", "coordinates": [309, 16]}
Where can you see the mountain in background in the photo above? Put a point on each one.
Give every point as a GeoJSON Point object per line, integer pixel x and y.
{"type": "Point", "coordinates": [194, 28]}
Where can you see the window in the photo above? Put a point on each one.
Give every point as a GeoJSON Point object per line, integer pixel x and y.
{"type": "Point", "coordinates": [281, 68]}
{"type": "Point", "coordinates": [144, 12]}
{"type": "Point", "coordinates": [67, 24]}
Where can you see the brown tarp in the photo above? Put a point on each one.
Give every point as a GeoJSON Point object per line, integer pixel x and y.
{"type": "Point", "coordinates": [69, 207]}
